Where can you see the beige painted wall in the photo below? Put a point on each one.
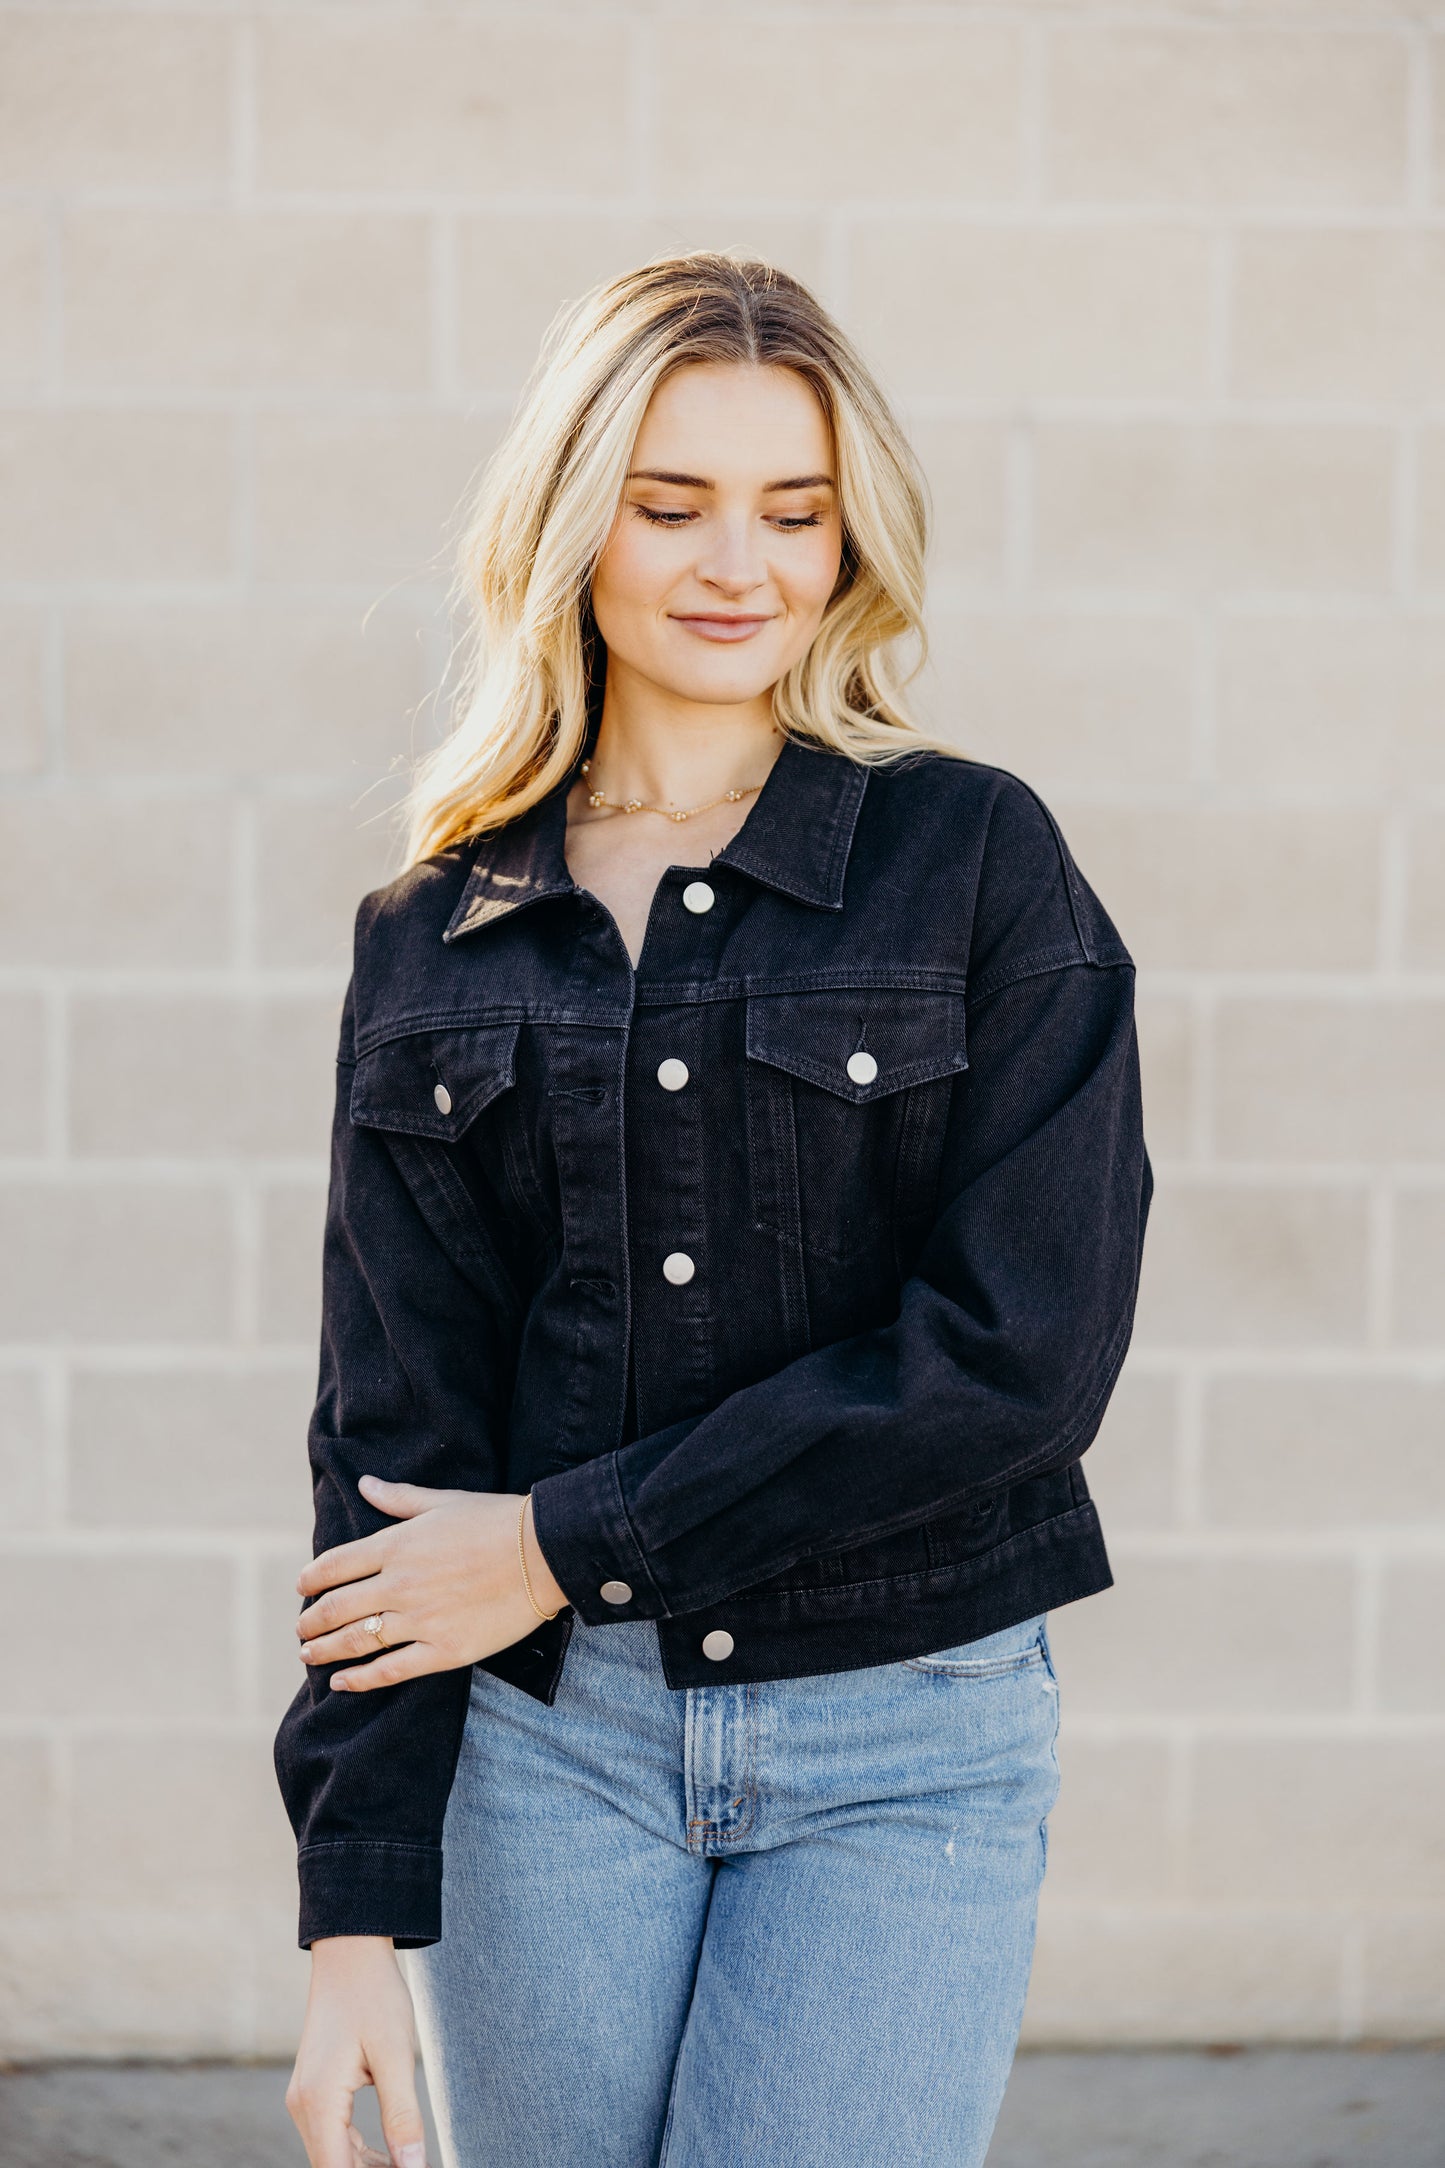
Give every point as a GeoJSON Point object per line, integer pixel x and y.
{"type": "Point", "coordinates": [1163, 296]}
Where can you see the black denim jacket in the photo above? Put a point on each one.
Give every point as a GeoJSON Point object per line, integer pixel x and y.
{"type": "Point", "coordinates": [906, 1168]}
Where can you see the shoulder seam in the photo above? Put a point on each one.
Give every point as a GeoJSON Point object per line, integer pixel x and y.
{"type": "Point", "coordinates": [1042, 964]}
{"type": "Point", "coordinates": [1066, 867]}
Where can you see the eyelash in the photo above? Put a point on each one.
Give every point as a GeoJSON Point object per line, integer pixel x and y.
{"type": "Point", "coordinates": [677, 519]}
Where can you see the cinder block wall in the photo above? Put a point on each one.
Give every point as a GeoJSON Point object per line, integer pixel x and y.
{"type": "Point", "coordinates": [1163, 295]}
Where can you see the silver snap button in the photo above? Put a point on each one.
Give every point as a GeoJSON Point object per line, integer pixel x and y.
{"type": "Point", "coordinates": [717, 1644]}
{"type": "Point", "coordinates": [862, 1068]}
{"type": "Point", "coordinates": [678, 1267]}
{"type": "Point", "coordinates": [697, 896]}
{"type": "Point", "coordinates": [672, 1074]}
{"type": "Point", "coordinates": [443, 1099]}
{"type": "Point", "coordinates": [615, 1592]}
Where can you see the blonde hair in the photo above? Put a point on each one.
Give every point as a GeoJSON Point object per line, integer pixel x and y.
{"type": "Point", "coordinates": [547, 501]}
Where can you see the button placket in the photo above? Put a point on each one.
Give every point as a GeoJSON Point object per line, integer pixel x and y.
{"type": "Point", "coordinates": [677, 1267]}
{"type": "Point", "coordinates": [669, 1186]}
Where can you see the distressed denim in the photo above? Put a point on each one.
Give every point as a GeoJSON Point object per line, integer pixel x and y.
{"type": "Point", "coordinates": [790, 1272]}
{"type": "Point", "coordinates": [789, 1921]}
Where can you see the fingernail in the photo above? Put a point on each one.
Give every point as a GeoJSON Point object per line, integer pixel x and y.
{"type": "Point", "coordinates": [411, 2156]}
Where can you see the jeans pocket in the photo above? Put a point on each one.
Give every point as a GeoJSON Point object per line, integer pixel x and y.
{"type": "Point", "coordinates": [1016, 1648]}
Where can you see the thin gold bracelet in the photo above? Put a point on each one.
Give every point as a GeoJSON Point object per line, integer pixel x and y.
{"type": "Point", "coordinates": [526, 1577]}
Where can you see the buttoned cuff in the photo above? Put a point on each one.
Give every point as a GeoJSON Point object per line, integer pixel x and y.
{"type": "Point", "coordinates": [371, 1886]}
{"type": "Point", "coordinates": [582, 1529]}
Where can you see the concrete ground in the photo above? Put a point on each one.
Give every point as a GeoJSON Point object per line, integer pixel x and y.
{"type": "Point", "coordinates": [1261, 2108]}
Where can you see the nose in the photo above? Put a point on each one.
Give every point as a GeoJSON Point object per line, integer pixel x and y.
{"type": "Point", "coordinates": [733, 562]}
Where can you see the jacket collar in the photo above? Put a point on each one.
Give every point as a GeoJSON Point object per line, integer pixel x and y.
{"type": "Point", "coordinates": [796, 840]}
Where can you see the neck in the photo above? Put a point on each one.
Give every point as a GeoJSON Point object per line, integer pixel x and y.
{"type": "Point", "coordinates": [677, 753]}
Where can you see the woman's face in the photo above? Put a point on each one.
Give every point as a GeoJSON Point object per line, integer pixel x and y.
{"type": "Point", "coordinates": [728, 541]}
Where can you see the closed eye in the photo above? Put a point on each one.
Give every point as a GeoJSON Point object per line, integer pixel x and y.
{"type": "Point", "coordinates": [681, 519]}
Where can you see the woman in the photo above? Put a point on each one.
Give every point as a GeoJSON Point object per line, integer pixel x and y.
{"type": "Point", "coordinates": [736, 1207]}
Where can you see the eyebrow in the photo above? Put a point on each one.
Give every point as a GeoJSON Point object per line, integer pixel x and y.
{"type": "Point", "coordinates": [698, 481]}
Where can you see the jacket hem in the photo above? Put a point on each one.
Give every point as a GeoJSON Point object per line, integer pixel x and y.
{"type": "Point", "coordinates": [795, 1633]}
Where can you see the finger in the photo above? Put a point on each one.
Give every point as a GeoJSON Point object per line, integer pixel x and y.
{"type": "Point", "coordinates": [324, 2120]}
{"type": "Point", "coordinates": [347, 1562]}
{"type": "Point", "coordinates": [356, 1640]}
{"type": "Point", "coordinates": [394, 2076]}
{"type": "Point", "coordinates": [400, 1500]}
{"type": "Point", "coordinates": [413, 1662]}
{"type": "Point", "coordinates": [341, 1607]}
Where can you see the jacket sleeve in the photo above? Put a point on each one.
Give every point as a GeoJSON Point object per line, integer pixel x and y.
{"type": "Point", "coordinates": [1010, 1331]}
{"type": "Point", "coordinates": [414, 1377]}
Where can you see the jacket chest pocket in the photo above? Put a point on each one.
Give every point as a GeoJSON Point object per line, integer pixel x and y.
{"type": "Point", "coordinates": [848, 1094]}
{"type": "Point", "coordinates": [436, 1084]}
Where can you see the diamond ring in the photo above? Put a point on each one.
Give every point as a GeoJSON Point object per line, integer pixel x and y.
{"type": "Point", "coordinates": [372, 1625]}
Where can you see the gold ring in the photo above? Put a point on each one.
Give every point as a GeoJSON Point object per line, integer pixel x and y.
{"type": "Point", "coordinates": [372, 1625]}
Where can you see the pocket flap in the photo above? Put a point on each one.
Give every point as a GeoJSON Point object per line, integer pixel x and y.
{"type": "Point", "coordinates": [891, 1036]}
{"type": "Point", "coordinates": [433, 1083]}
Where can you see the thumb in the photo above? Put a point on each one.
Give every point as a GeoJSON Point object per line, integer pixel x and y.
{"type": "Point", "coordinates": [401, 2123]}
{"type": "Point", "coordinates": [401, 1500]}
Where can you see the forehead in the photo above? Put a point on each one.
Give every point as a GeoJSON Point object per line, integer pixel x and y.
{"type": "Point", "coordinates": [719, 420]}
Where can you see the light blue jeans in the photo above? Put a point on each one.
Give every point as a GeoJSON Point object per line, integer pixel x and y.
{"type": "Point", "coordinates": [783, 1925]}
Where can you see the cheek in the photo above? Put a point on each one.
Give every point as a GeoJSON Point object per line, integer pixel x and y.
{"type": "Point", "coordinates": [631, 573]}
{"type": "Point", "coordinates": [808, 574]}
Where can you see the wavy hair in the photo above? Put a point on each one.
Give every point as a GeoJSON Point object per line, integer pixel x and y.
{"type": "Point", "coordinates": [547, 501]}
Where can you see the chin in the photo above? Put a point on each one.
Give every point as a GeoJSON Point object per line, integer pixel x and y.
{"type": "Point", "coordinates": [719, 687]}
{"type": "Point", "coordinates": [710, 693]}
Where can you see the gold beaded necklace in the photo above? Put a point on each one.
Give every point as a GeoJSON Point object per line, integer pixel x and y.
{"type": "Point", "coordinates": [635, 805]}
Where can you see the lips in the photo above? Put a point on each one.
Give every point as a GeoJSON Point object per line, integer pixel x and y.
{"type": "Point", "coordinates": [722, 628]}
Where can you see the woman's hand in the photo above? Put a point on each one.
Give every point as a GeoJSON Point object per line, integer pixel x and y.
{"type": "Point", "coordinates": [358, 2031]}
{"type": "Point", "coordinates": [446, 1581]}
